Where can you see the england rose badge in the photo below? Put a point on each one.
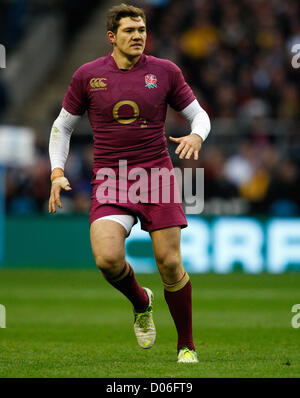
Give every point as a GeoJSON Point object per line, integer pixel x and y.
{"type": "Point", "coordinates": [151, 81]}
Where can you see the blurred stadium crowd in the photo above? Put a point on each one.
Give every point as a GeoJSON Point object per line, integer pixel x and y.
{"type": "Point", "coordinates": [237, 58]}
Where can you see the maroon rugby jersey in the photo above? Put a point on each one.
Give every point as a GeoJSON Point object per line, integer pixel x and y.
{"type": "Point", "coordinates": [127, 109]}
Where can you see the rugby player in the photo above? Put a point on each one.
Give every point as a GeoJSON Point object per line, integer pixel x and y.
{"type": "Point", "coordinates": [126, 94]}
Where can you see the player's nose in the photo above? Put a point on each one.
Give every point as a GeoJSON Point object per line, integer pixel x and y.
{"type": "Point", "coordinates": [137, 35]}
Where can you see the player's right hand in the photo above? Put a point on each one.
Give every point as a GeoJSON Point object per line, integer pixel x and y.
{"type": "Point", "coordinates": [58, 184]}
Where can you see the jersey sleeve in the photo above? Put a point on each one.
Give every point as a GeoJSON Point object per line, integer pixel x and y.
{"type": "Point", "coordinates": [180, 94]}
{"type": "Point", "coordinates": [75, 100]}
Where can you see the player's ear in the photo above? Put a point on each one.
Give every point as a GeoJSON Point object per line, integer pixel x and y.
{"type": "Point", "coordinates": [111, 37]}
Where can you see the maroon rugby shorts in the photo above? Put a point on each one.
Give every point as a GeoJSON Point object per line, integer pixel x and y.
{"type": "Point", "coordinates": [143, 190]}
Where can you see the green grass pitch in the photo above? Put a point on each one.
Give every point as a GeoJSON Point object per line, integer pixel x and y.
{"type": "Point", "coordinates": [74, 324]}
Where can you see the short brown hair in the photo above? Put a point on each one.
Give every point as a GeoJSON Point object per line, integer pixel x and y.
{"type": "Point", "coordinates": [122, 11]}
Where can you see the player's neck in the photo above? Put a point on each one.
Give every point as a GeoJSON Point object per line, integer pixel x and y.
{"type": "Point", "coordinates": [124, 62]}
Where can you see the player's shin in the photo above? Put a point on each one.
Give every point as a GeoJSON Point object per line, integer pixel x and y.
{"type": "Point", "coordinates": [179, 299]}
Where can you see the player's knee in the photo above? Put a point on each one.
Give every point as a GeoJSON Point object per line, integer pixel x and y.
{"type": "Point", "coordinates": [169, 262]}
{"type": "Point", "coordinates": [109, 262]}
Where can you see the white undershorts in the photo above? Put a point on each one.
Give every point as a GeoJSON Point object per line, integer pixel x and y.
{"type": "Point", "coordinates": [125, 220]}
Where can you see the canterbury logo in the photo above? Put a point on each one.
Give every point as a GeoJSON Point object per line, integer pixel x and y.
{"type": "Point", "coordinates": [98, 82]}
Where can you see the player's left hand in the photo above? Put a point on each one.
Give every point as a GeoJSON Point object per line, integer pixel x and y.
{"type": "Point", "coordinates": [188, 145]}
